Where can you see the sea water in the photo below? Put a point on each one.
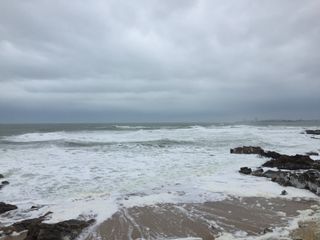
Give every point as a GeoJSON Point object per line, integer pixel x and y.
{"type": "Point", "coordinates": [90, 170]}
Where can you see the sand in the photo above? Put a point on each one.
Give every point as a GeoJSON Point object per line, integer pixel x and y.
{"type": "Point", "coordinates": [251, 216]}
{"type": "Point", "coordinates": [247, 216]}
{"type": "Point", "coordinates": [309, 230]}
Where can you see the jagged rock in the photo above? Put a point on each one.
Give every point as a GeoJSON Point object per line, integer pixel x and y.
{"type": "Point", "coordinates": [304, 180]}
{"type": "Point", "coordinates": [282, 178]}
{"type": "Point", "coordinates": [270, 174]}
{"type": "Point", "coordinates": [313, 132]}
{"type": "Point", "coordinates": [66, 230]}
{"type": "Point", "coordinates": [271, 154]}
{"type": "Point", "coordinates": [284, 192]}
{"type": "Point", "coordinates": [255, 150]}
{"type": "Point", "coordinates": [245, 170]}
{"type": "Point", "coordinates": [247, 150]}
{"type": "Point", "coordinates": [267, 230]}
{"type": "Point", "coordinates": [293, 162]}
{"type": "Point", "coordinates": [6, 207]}
{"type": "Point", "coordinates": [23, 225]}
{"type": "Point", "coordinates": [258, 172]}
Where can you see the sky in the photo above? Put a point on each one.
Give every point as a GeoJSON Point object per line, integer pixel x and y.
{"type": "Point", "coordinates": [168, 60]}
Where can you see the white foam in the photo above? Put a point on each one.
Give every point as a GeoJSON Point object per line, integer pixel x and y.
{"type": "Point", "coordinates": [96, 180]}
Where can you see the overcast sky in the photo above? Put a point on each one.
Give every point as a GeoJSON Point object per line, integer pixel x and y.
{"type": "Point", "coordinates": [168, 60]}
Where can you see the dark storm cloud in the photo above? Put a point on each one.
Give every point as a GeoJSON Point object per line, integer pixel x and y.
{"type": "Point", "coordinates": [159, 60]}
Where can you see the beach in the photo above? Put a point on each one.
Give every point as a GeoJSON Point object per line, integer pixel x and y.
{"type": "Point", "coordinates": [162, 181]}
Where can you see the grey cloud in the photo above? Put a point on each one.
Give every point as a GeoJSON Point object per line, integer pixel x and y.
{"type": "Point", "coordinates": [169, 60]}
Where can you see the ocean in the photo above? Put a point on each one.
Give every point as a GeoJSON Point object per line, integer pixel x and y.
{"type": "Point", "coordinates": [91, 170]}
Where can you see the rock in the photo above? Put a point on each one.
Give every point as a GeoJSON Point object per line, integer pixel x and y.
{"type": "Point", "coordinates": [312, 154]}
{"type": "Point", "coordinates": [313, 132]}
{"type": "Point", "coordinates": [66, 230]}
{"type": "Point", "coordinates": [284, 192]}
{"type": "Point", "coordinates": [255, 150]}
{"type": "Point", "coordinates": [293, 162]}
{"type": "Point", "coordinates": [258, 172]}
{"type": "Point", "coordinates": [270, 174]}
{"type": "Point", "coordinates": [245, 170]}
{"type": "Point", "coordinates": [305, 180]}
{"type": "Point", "coordinates": [282, 178]}
{"type": "Point", "coordinates": [23, 225]}
{"type": "Point", "coordinates": [247, 150]}
{"type": "Point", "coordinates": [267, 230]}
{"type": "Point", "coordinates": [6, 207]}
{"type": "Point", "coordinates": [1, 176]}
{"type": "Point", "coordinates": [271, 154]}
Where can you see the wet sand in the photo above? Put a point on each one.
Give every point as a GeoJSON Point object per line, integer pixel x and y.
{"type": "Point", "coordinates": [307, 231]}
{"type": "Point", "coordinates": [252, 216]}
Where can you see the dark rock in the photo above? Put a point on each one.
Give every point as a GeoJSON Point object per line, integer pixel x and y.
{"type": "Point", "coordinates": [23, 225]}
{"type": "Point", "coordinates": [270, 174]}
{"type": "Point", "coordinates": [258, 172]}
{"type": "Point", "coordinates": [305, 180]}
{"type": "Point", "coordinates": [313, 132]}
{"type": "Point", "coordinates": [267, 230]}
{"type": "Point", "coordinates": [69, 230]}
{"type": "Point", "coordinates": [312, 154]}
{"type": "Point", "coordinates": [255, 150]}
{"type": "Point", "coordinates": [271, 154]}
{"type": "Point", "coordinates": [245, 170]}
{"type": "Point", "coordinates": [247, 150]}
{"type": "Point", "coordinates": [293, 162]}
{"type": "Point", "coordinates": [284, 192]}
{"type": "Point", "coordinates": [1, 176]}
{"type": "Point", "coordinates": [283, 178]}
{"type": "Point", "coordinates": [6, 207]}
{"type": "Point", "coordinates": [4, 182]}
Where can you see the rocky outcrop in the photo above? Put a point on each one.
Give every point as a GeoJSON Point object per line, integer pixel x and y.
{"type": "Point", "coordinates": [245, 170]}
{"type": "Point", "coordinates": [4, 207]}
{"type": "Point", "coordinates": [69, 230]}
{"type": "Point", "coordinates": [258, 172]}
{"type": "Point", "coordinates": [271, 154]}
{"type": "Point", "coordinates": [293, 162]}
{"type": "Point", "coordinates": [255, 150]}
{"type": "Point", "coordinates": [309, 179]}
{"type": "Point", "coordinates": [22, 225]}
{"type": "Point", "coordinates": [1, 176]}
{"type": "Point", "coordinates": [37, 230]}
{"type": "Point", "coordinates": [247, 150]}
{"type": "Point", "coordinates": [313, 132]}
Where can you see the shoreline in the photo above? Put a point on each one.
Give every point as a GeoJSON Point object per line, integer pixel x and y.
{"type": "Point", "coordinates": [239, 217]}
{"type": "Point", "coordinates": [250, 217]}
{"type": "Point", "coordinates": [229, 219]}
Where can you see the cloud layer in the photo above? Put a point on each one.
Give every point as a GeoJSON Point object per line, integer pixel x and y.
{"type": "Point", "coordinates": [172, 60]}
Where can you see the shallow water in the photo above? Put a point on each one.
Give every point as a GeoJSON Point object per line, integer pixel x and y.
{"type": "Point", "coordinates": [92, 170]}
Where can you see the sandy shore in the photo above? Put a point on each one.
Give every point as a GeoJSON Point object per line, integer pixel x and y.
{"type": "Point", "coordinates": [243, 217]}
{"type": "Point", "coordinates": [309, 230]}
